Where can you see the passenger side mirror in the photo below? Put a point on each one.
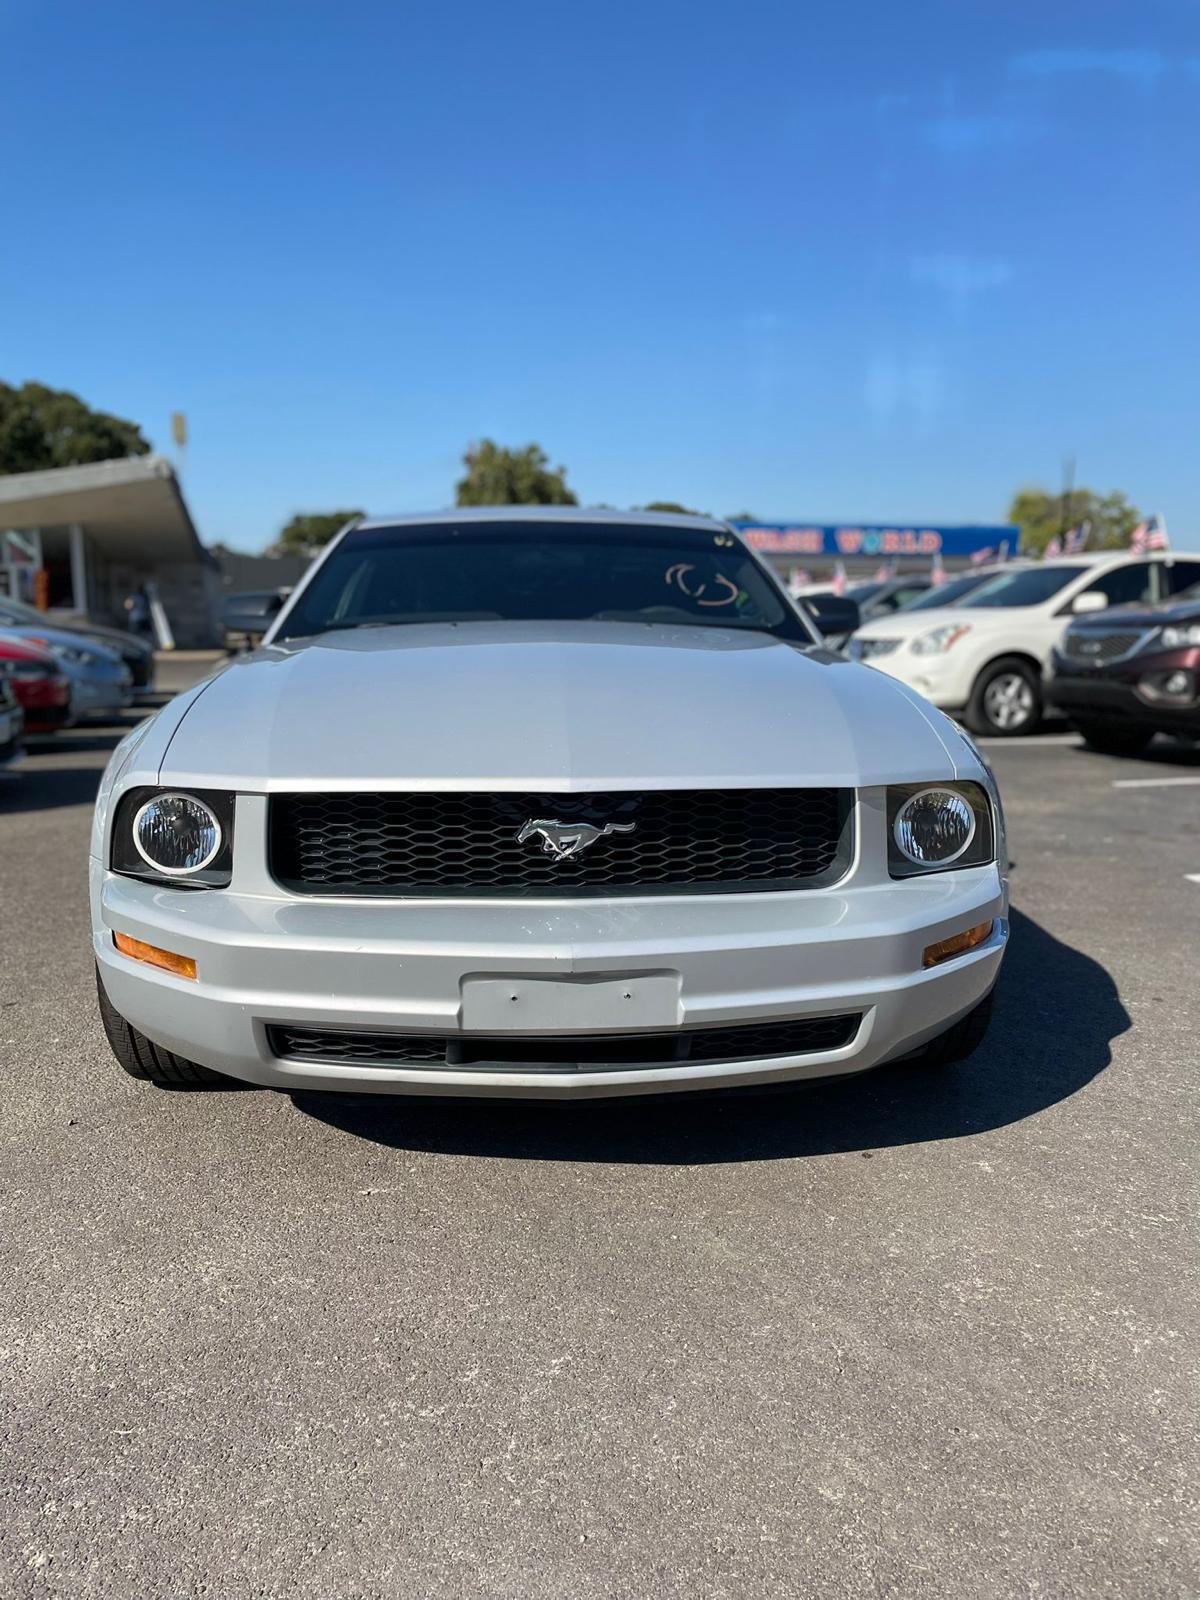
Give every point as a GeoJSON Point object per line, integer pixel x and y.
{"type": "Point", "coordinates": [1089, 601]}
{"type": "Point", "coordinates": [831, 613]}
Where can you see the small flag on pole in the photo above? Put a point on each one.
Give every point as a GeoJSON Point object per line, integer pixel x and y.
{"type": "Point", "coordinates": [937, 572]}
{"type": "Point", "coordinates": [839, 578]}
{"type": "Point", "coordinates": [886, 570]}
{"type": "Point", "coordinates": [982, 557]}
{"type": "Point", "coordinates": [1077, 539]}
{"type": "Point", "coordinates": [1003, 556]}
{"type": "Point", "coordinates": [1150, 535]}
{"type": "Point", "coordinates": [1054, 548]}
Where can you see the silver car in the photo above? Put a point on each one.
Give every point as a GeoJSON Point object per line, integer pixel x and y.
{"type": "Point", "coordinates": [101, 683]}
{"type": "Point", "coordinates": [559, 804]}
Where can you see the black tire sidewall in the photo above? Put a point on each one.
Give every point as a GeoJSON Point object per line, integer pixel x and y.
{"type": "Point", "coordinates": [977, 718]}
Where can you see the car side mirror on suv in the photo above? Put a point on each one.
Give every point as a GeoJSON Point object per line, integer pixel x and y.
{"type": "Point", "coordinates": [832, 613]}
{"type": "Point", "coordinates": [1091, 600]}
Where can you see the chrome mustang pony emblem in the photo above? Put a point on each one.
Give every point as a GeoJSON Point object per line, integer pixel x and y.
{"type": "Point", "coordinates": [562, 840]}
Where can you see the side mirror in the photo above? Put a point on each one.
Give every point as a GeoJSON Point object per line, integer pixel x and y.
{"type": "Point", "coordinates": [832, 613]}
{"type": "Point", "coordinates": [1091, 600]}
{"type": "Point", "coordinates": [275, 604]}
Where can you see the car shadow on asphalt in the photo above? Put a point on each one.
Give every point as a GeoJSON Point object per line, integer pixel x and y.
{"type": "Point", "coordinates": [1056, 1016]}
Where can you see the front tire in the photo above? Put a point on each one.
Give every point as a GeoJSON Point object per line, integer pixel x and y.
{"type": "Point", "coordinates": [142, 1058]}
{"type": "Point", "coordinates": [1006, 700]}
{"type": "Point", "coordinates": [1114, 741]}
{"type": "Point", "coordinates": [958, 1042]}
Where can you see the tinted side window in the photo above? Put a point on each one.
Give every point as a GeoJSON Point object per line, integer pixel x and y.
{"type": "Point", "coordinates": [1180, 575]}
{"type": "Point", "coordinates": [1126, 586]}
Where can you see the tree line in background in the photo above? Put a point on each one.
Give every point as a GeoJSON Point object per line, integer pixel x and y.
{"type": "Point", "coordinates": [42, 427]}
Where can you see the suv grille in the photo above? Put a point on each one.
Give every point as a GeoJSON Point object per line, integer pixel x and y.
{"type": "Point", "coordinates": [1090, 644]}
{"type": "Point", "coordinates": [746, 1042]}
{"type": "Point", "coordinates": [695, 839]}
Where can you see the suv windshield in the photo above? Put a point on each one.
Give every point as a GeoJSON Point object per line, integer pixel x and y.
{"type": "Point", "coordinates": [948, 593]}
{"type": "Point", "coordinates": [542, 572]}
{"type": "Point", "coordinates": [1029, 587]}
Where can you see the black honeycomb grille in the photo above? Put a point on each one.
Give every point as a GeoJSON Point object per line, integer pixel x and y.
{"type": "Point", "coordinates": [746, 1042]}
{"type": "Point", "coordinates": [1092, 645]}
{"type": "Point", "coordinates": [695, 839]}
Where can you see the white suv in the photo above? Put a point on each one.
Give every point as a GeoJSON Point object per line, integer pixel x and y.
{"type": "Point", "coordinates": [984, 658]}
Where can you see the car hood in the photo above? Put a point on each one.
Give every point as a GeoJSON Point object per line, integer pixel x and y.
{"type": "Point", "coordinates": [125, 644]}
{"type": "Point", "coordinates": [1138, 616]}
{"type": "Point", "coordinates": [906, 625]}
{"type": "Point", "coordinates": [94, 655]}
{"type": "Point", "coordinates": [524, 706]}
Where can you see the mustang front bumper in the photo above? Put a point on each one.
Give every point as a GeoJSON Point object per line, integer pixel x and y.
{"type": "Point", "coordinates": [266, 959]}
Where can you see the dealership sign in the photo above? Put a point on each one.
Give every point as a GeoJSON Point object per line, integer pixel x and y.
{"type": "Point", "coordinates": [787, 539]}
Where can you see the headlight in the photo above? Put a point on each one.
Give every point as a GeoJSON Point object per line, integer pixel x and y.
{"type": "Point", "coordinates": [174, 836]}
{"type": "Point", "coordinates": [68, 652]}
{"type": "Point", "coordinates": [932, 827]}
{"type": "Point", "coordinates": [940, 640]}
{"type": "Point", "coordinates": [1179, 638]}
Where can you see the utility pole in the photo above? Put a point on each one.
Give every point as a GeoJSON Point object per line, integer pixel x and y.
{"type": "Point", "coordinates": [180, 436]}
{"type": "Point", "coordinates": [1068, 479]}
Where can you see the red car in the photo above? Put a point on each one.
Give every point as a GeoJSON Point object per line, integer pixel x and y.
{"type": "Point", "coordinates": [41, 689]}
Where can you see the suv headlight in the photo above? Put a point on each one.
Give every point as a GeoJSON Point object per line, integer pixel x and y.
{"type": "Point", "coordinates": [933, 827]}
{"type": "Point", "coordinates": [1180, 637]}
{"type": "Point", "coordinates": [174, 836]}
{"type": "Point", "coordinates": [939, 640]}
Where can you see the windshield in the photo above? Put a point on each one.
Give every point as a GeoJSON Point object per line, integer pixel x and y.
{"type": "Point", "coordinates": [547, 572]}
{"type": "Point", "coordinates": [948, 593]}
{"type": "Point", "coordinates": [1028, 587]}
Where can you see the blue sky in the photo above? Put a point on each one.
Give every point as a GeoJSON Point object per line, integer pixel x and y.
{"type": "Point", "coordinates": [861, 262]}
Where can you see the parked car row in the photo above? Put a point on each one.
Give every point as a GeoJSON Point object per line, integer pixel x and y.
{"type": "Point", "coordinates": [55, 674]}
{"type": "Point", "coordinates": [995, 655]}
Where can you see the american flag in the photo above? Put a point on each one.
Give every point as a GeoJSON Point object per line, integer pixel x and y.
{"type": "Point", "coordinates": [839, 578]}
{"type": "Point", "coordinates": [982, 557]}
{"type": "Point", "coordinates": [1054, 548]}
{"type": "Point", "coordinates": [937, 573]}
{"type": "Point", "coordinates": [887, 570]}
{"type": "Point", "coordinates": [1150, 535]}
{"type": "Point", "coordinates": [1077, 538]}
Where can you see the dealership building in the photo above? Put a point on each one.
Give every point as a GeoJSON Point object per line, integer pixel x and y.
{"type": "Point", "coordinates": [815, 549]}
{"type": "Point", "coordinates": [81, 540]}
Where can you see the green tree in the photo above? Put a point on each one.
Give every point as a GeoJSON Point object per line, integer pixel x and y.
{"type": "Point", "coordinates": [497, 476]}
{"type": "Point", "coordinates": [1040, 515]}
{"type": "Point", "coordinates": [674, 506]}
{"type": "Point", "coordinates": [742, 516]}
{"type": "Point", "coordinates": [41, 427]}
{"type": "Point", "coordinates": [308, 531]}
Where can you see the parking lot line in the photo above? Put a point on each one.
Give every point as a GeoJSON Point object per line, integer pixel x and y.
{"type": "Point", "coordinates": [1153, 783]}
{"type": "Point", "coordinates": [1043, 739]}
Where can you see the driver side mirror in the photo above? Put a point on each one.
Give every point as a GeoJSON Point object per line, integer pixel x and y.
{"type": "Point", "coordinates": [831, 613]}
{"type": "Point", "coordinates": [1091, 600]}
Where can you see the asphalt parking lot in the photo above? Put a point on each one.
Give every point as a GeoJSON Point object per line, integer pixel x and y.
{"type": "Point", "coordinates": [911, 1335]}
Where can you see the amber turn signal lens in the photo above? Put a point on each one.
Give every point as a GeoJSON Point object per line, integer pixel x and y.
{"type": "Point", "coordinates": [181, 966]}
{"type": "Point", "coordinates": [956, 945]}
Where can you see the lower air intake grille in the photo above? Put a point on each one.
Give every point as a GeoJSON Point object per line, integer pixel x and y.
{"type": "Point", "coordinates": [748, 1042]}
{"type": "Point", "coordinates": [643, 842]}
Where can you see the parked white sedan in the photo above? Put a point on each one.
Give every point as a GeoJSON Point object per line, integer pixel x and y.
{"type": "Point", "coordinates": [569, 804]}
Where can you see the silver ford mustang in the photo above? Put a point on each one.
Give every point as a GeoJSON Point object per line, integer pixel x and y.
{"type": "Point", "coordinates": [547, 804]}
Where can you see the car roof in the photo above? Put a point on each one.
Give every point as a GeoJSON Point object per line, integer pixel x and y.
{"type": "Point", "coordinates": [555, 514]}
